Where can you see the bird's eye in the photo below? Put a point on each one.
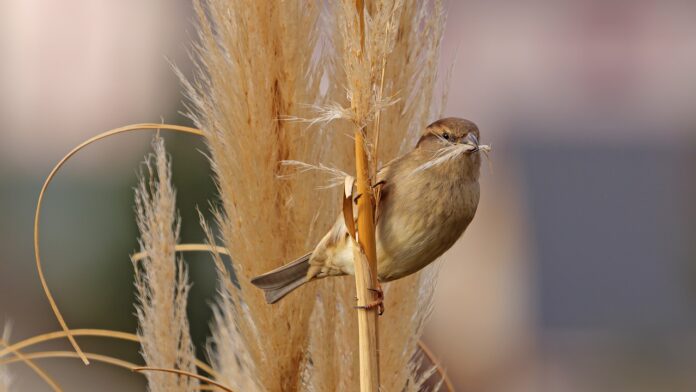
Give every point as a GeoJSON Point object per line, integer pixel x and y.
{"type": "Point", "coordinates": [446, 136]}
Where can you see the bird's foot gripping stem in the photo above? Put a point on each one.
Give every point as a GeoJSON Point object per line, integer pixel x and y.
{"type": "Point", "coordinates": [377, 303]}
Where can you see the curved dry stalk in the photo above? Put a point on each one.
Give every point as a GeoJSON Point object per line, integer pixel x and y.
{"type": "Point", "coordinates": [37, 216]}
{"type": "Point", "coordinates": [106, 359]}
{"type": "Point", "coordinates": [184, 373]}
{"type": "Point", "coordinates": [188, 248]}
{"type": "Point", "coordinates": [88, 332]}
{"type": "Point", "coordinates": [40, 372]}
{"type": "Point", "coordinates": [443, 376]}
{"type": "Point", "coordinates": [61, 334]}
{"type": "Point", "coordinates": [72, 354]}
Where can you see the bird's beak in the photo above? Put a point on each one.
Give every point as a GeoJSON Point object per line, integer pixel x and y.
{"type": "Point", "coordinates": [472, 140]}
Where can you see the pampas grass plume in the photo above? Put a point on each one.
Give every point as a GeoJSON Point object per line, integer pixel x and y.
{"type": "Point", "coordinates": [161, 279]}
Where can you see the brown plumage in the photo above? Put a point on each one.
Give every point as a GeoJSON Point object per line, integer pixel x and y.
{"type": "Point", "coordinates": [428, 198]}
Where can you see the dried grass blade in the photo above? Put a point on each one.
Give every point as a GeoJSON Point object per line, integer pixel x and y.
{"type": "Point", "coordinates": [72, 354]}
{"type": "Point", "coordinates": [127, 336]}
{"type": "Point", "coordinates": [36, 368]}
{"type": "Point", "coordinates": [436, 363]}
{"type": "Point", "coordinates": [188, 248]}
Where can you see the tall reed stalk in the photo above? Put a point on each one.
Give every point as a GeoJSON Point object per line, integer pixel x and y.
{"type": "Point", "coordinates": [397, 78]}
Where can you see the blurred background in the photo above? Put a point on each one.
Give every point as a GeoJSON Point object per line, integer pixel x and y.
{"type": "Point", "coordinates": [578, 273]}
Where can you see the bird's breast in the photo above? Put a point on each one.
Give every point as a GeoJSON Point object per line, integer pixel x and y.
{"type": "Point", "coordinates": [421, 219]}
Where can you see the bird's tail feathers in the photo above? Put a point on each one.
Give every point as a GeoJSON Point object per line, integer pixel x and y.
{"type": "Point", "coordinates": [278, 283]}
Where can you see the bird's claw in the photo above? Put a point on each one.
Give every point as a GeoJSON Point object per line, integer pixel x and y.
{"type": "Point", "coordinates": [377, 303]}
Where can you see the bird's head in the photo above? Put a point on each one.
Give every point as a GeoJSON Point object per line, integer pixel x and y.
{"type": "Point", "coordinates": [451, 144]}
{"type": "Point", "coordinates": [450, 131]}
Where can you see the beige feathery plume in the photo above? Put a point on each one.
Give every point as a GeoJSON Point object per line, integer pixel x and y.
{"type": "Point", "coordinates": [226, 349]}
{"type": "Point", "coordinates": [161, 280]}
{"type": "Point", "coordinates": [258, 61]}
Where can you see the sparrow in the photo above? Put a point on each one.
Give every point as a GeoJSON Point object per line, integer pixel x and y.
{"type": "Point", "coordinates": [427, 198]}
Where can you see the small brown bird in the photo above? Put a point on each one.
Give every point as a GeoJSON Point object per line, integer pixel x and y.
{"type": "Point", "coordinates": [428, 197]}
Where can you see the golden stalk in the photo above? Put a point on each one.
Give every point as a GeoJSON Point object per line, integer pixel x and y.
{"type": "Point", "coordinates": [71, 354]}
{"type": "Point", "coordinates": [443, 376]}
{"type": "Point", "coordinates": [365, 273]}
{"type": "Point", "coordinates": [187, 248]}
{"type": "Point", "coordinates": [111, 361]}
{"type": "Point", "coordinates": [127, 336]}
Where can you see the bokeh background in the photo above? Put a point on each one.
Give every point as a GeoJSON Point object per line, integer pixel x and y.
{"type": "Point", "coordinates": [578, 273]}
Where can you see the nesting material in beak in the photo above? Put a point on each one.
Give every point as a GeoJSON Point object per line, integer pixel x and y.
{"type": "Point", "coordinates": [454, 151]}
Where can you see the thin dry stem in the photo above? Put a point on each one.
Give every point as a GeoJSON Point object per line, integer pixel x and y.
{"type": "Point", "coordinates": [31, 364]}
{"type": "Point", "coordinates": [70, 354]}
{"type": "Point", "coordinates": [187, 248]}
{"type": "Point", "coordinates": [125, 336]}
{"type": "Point", "coordinates": [365, 256]}
{"type": "Point", "coordinates": [436, 364]}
